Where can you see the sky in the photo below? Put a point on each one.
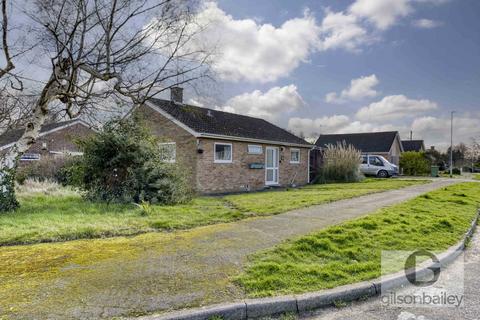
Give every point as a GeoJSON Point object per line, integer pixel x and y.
{"type": "Point", "coordinates": [317, 67]}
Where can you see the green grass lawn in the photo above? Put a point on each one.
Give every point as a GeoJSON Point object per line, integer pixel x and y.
{"type": "Point", "coordinates": [350, 252]}
{"type": "Point", "coordinates": [66, 216]}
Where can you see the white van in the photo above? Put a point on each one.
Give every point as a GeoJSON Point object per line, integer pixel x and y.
{"type": "Point", "coordinates": [375, 165]}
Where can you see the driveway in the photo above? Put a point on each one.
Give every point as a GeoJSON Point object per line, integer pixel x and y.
{"type": "Point", "coordinates": [163, 271]}
{"type": "Point", "coordinates": [372, 309]}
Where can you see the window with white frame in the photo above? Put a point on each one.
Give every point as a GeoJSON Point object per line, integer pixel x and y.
{"type": "Point", "coordinates": [168, 151]}
{"type": "Point", "coordinates": [294, 155]}
{"type": "Point", "coordinates": [223, 153]}
{"type": "Point", "coordinates": [254, 149]}
{"type": "Point", "coordinates": [30, 157]}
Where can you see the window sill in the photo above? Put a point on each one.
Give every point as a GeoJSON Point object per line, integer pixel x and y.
{"type": "Point", "coordinates": [222, 161]}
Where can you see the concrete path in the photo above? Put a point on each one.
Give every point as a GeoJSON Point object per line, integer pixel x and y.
{"type": "Point", "coordinates": [373, 309]}
{"type": "Point", "coordinates": [158, 272]}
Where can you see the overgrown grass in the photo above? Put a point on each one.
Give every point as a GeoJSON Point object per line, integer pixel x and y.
{"type": "Point", "coordinates": [476, 176]}
{"type": "Point", "coordinates": [350, 252]}
{"type": "Point", "coordinates": [50, 213]}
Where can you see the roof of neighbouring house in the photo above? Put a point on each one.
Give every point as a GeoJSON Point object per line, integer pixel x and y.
{"type": "Point", "coordinates": [413, 145]}
{"type": "Point", "coordinates": [365, 142]}
{"type": "Point", "coordinates": [219, 123]}
{"type": "Point", "coordinates": [12, 136]}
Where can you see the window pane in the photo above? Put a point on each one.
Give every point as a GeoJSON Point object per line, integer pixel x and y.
{"type": "Point", "coordinates": [269, 158]}
{"type": "Point", "coordinates": [30, 157]}
{"type": "Point", "coordinates": [254, 149]}
{"type": "Point", "coordinates": [168, 152]}
{"type": "Point", "coordinates": [375, 161]}
{"type": "Point", "coordinates": [295, 156]}
{"type": "Point", "coordinates": [270, 175]}
{"type": "Point", "coordinates": [223, 152]}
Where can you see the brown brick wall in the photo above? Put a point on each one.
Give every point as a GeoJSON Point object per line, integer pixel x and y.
{"type": "Point", "coordinates": [237, 176]}
{"type": "Point", "coordinates": [62, 139]}
{"type": "Point", "coordinates": [186, 149]}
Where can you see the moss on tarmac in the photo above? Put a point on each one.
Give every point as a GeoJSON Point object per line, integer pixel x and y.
{"type": "Point", "coordinates": [92, 278]}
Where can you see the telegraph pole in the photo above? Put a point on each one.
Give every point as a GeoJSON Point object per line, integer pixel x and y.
{"type": "Point", "coordinates": [451, 144]}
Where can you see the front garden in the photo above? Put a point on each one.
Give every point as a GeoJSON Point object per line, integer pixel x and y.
{"type": "Point", "coordinates": [51, 213]}
{"type": "Point", "coordinates": [350, 252]}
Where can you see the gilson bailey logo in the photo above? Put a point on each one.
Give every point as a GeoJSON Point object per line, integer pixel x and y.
{"type": "Point", "coordinates": [411, 268]}
{"type": "Point", "coordinates": [429, 283]}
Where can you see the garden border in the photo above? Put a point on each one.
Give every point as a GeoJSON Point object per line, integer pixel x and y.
{"type": "Point", "coordinates": [264, 307]}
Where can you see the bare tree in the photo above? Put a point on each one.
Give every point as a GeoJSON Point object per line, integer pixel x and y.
{"type": "Point", "coordinates": [473, 153]}
{"type": "Point", "coordinates": [14, 110]}
{"type": "Point", "coordinates": [103, 49]}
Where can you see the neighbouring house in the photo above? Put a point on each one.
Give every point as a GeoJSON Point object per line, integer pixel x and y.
{"type": "Point", "coordinates": [226, 152]}
{"type": "Point", "coordinates": [55, 140]}
{"type": "Point", "coordinates": [386, 144]}
{"type": "Point", "coordinates": [413, 145]}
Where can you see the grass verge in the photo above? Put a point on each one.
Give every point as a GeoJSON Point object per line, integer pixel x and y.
{"type": "Point", "coordinates": [350, 252]}
{"type": "Point", "coordinates": [60, 215]}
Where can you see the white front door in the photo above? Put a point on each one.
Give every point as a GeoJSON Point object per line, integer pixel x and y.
{"type": "Point", "coordinates": [271, 166]}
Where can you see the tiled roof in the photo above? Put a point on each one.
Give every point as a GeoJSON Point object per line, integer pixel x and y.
{"type": "Point", "coordinates": [413, 145]}
{"type": "Point", "coordinates": [365, 142]}
{"type": "Point", "coordinates": [13, 135]}
{"type": "Point", "coordinates": [209, 121]}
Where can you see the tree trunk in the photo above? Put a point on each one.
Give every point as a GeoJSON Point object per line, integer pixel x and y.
{"type": "Point", "coordinates": [9, 161]}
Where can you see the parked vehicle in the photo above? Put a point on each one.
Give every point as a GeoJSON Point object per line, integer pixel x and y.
{"type": "Point", "coordinates": [375, 165]}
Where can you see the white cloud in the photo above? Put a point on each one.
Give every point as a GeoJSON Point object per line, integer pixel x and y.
{"type": "Point", "coordinates": [426, 23]}
{"type": "Point", "coordinates": [360, 88]}
{"type": "Point", "coordinates": [394, 107]}
{"type": "Point", "coordinates": [312, 128]}
{"type": "Point", "coordinates": [436, 130]}
{"type": "Point", "coordinates": [341, 30]}
{"type": "Point", "coordinates": [248, 50]}
{"type": "Point", "coordinates": [196, 102]}
{"type": "Point", "coordinates": [271, 105]}
{"type": "Point", "coordinates": [251, 50]}
{"type": "Point", "coordinates": [382, 13]}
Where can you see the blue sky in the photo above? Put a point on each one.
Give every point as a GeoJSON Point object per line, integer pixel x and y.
{"type": "Point", "coordinates": [414, 61]}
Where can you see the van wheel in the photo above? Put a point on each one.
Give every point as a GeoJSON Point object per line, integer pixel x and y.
{"type": "Point", "coordinates": [382, 174]}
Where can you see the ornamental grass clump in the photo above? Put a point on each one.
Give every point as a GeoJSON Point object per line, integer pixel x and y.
{"type": "Point", "coordinates": [341, 163]}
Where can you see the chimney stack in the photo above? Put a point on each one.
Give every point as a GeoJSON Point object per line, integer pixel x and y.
{"type": "Point", "coordinates": [176, 94]}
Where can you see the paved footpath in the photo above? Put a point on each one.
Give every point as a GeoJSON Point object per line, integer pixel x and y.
{"type": "Point", "coordinates": [164, 271]}
{"type": "Point", "coordinates": [372, 309]}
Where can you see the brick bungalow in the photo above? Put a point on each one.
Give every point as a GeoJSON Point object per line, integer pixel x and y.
{"type": "Point", "coordinates": [386, 144]}
{"type": "Point", "coordinates": [225, 152]}
{"type": "Point", "coordinates": [55, 140]}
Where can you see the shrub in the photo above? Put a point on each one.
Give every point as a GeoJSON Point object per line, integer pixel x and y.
{"type": "Point", "coordinates": [71, 174]}
{"type": "Point", "coordinates": [122, 164]}
{"type": "Point", "coordinates": [456, 171]}
{"type": "Point", "coordinates": [47, 168]}
{"type": "Point", "coordinates": [414, 163]}
{"type": "Point", "coordinates": [341, 163]}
